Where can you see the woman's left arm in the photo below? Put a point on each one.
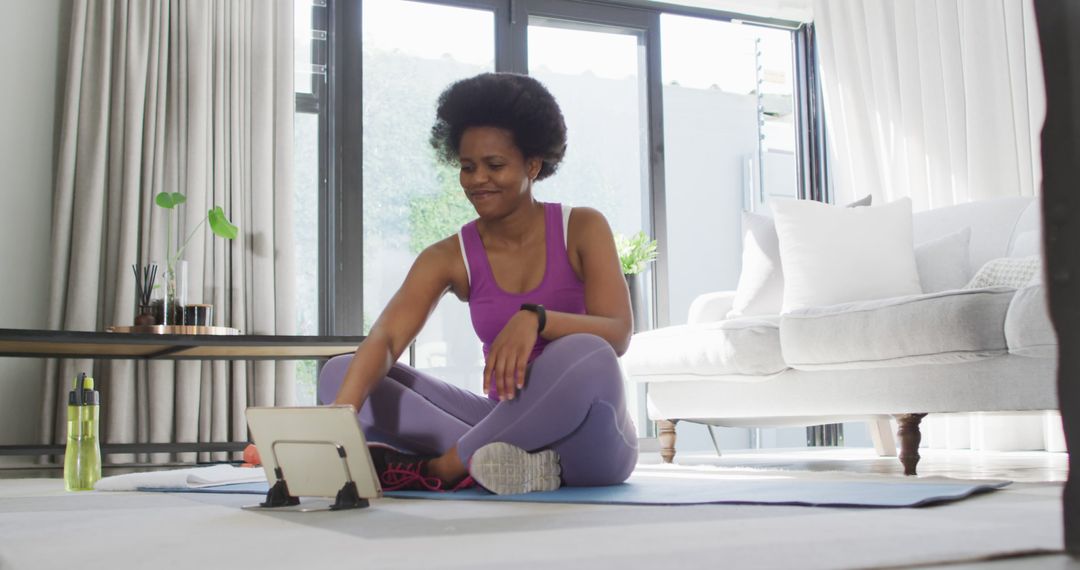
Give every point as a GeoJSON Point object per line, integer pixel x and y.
{"type": "Point", "coordinates": [607, 306]}
{"type": "Point", "coordinates": [607, 299]}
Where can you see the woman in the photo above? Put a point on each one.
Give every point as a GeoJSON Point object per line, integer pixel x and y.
{"type": "Point", "coordinates": [547, 298]}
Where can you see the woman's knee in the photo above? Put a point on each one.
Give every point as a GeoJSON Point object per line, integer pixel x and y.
{"type": "Point", "coordinates": [582, 341]}
{"type": "Point", "coordinates": [579, 348]}
{"type": "Point", "coordinates": [331, 377]}
{"type": "Point", "coordinates": [585, 354]}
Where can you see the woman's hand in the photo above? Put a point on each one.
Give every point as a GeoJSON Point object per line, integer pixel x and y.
{"type": "Point", "coordinates": [509, 354]}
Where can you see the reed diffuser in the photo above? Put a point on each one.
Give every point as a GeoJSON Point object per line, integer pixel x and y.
{"type": "Point", "coordinates": [144, 287]}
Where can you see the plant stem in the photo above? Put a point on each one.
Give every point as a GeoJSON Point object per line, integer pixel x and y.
{"type": "Point", "coordinates": [168, 243]}
{"type": "Point", "coordinates": [191, 235]}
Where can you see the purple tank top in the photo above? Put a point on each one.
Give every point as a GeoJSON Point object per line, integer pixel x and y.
{"type": "Point", "coordinates": [491, 307]}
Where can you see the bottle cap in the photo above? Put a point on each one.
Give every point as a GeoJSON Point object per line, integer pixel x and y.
{"type": "Point", "coordinates": [90, 396]}
{"type": "Point", "coordinates": [75, 395]}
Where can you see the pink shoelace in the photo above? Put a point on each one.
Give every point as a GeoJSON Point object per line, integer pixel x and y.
{"type": "Point", "coordinates": [405, 475]}
{"type": "Point", "coordinates": [400, 476]}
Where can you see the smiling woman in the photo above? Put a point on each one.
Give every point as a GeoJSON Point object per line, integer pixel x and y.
{"type": "Point", "coordinates": [546, 297]}
{"type": "Point", "coordinates": [492, 167]}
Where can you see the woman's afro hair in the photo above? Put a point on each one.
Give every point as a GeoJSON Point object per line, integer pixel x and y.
{"type": "Point", "coordinates": [517, 103]}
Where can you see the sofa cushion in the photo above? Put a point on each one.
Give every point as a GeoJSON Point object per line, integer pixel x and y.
{"type": "Point", "coordinates": [949, 326]}
{"type": "Point", "coordinates": [1026, 244]}
{"type": "Point", "coordinates": [761, 280]}
{"type": "Point", "coordinates": [943, 262]}
{"type": "Point", "coordinates": [1014, 272]}
{"type": "Point", "coordinates": [747, 346]}
{"type": "Point", "coordinates": [1028, 330]}
{"type": "Point", "coordinates": [835, 255]}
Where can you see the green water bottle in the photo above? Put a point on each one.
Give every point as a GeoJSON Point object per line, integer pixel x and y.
{"type": "Point", "coordinates": [82, 458]}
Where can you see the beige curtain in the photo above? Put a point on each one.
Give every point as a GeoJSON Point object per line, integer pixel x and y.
{"type": "Point", "coordinates": [183, 96]}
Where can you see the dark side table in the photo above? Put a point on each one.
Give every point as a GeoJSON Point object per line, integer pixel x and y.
{"type": "Point", "coordinates": [148, 346]}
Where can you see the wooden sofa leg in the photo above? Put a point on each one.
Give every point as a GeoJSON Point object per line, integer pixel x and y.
{"type": "Point", "coordinates": [666, 434]}
{"type": "Point", "coordinates": [909, 437]}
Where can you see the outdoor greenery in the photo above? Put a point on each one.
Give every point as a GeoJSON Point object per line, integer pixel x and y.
{"type": "Point", "coordinates": [433, 217]}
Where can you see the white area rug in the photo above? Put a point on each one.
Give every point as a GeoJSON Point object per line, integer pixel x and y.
{"type": "Point", "coordinates": [41, 526]}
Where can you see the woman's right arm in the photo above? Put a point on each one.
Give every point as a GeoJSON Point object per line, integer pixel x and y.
{"type": "Point", "coordinates": [400, 322]}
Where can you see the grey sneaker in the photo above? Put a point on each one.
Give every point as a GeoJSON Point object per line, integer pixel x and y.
{"type": "Point", "coordinates": [506, 469]}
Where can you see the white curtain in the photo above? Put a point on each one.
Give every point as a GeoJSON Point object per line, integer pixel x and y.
{"type": "Point", "coordinates": [191, 96]}
{"type": "Point", "coordinates": [939, 100]}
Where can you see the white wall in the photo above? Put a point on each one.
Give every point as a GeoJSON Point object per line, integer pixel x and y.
{"type": "Point", "coordinates": [33, 49]}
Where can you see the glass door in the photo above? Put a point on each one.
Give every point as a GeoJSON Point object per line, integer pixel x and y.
{"type": "Point", "coordinates": [606, 165]}
{"type": "Point", "coordinates": [596, 63]}
{"type": "Point", "coordinates": [411, 52]}
{"type": "Point", "coordinates": [729, 140]}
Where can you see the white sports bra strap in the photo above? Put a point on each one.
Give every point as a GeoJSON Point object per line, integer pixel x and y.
{"type": "Point", "coordinates": [465, 258]}
{"type": "Point", "coordinates": [565, 222]}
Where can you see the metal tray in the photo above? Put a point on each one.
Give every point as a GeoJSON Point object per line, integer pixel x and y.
{"type": "Point", "coordinates": [173, 329]}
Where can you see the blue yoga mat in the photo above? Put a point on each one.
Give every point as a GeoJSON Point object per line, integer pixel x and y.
{"type": "Point", "coordinates": [659, 490]}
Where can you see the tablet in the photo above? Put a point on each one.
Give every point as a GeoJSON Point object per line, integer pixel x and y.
{"type": "Point", "coordinates": [318, 450]}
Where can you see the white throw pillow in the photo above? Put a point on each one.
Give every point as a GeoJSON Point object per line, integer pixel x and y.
{"type": "Point", "coordinates": [1015, 272]}
{"type": "Point", "coordinates": [761, 281]}
{"type": "Point", "coordinates": [944, 262]}
{"type": "Point", "coordinates": [836, 255]}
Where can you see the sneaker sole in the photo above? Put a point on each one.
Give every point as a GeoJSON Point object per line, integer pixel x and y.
{"type": "Point", "coordinates": [506, 469]}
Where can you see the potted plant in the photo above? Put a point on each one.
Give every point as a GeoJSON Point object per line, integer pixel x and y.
{"type": "Point", "coordinates": [171, 300]}
{"type": "Point", "coordinates": [635, 254]}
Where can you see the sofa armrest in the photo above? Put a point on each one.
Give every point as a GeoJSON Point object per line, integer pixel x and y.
{"type": "Point", "coordinates": [710, 307]}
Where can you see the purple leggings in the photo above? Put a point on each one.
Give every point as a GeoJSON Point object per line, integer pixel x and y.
{"type": "Point", "coordinates": [572, 402]}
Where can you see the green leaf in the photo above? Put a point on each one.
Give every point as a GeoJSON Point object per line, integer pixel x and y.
{"type": "Point", "coordinates": [635, 252]}
{"type": "Point", "coordinates": [169, 200]}
{"type": "Point", "coordinates": [220, 225]}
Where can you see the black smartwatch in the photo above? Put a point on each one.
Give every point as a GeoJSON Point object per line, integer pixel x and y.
{"type": "Point", "coordinates": [541, 315]}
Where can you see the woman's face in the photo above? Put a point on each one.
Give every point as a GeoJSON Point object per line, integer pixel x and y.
{"type": "Point", "coordinates": [494, 174]}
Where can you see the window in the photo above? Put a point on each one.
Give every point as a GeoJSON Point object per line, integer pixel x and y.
{"type": "Point", "coordinates": [606, 164]}
{"type": "Point", "coordinates": [309, 158]}
{"type": "Point", "coordinates": [411, 52]}
{"type": "Point", "coordinates": [729, 139]}
{"type": "Point", "coordinates": [678, 120]}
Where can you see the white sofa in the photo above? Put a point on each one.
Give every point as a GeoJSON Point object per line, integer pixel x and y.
{"type": "Point", "coordinates": [958, 350]}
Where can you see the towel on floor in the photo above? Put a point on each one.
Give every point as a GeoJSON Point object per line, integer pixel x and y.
{"type": "Point", "coordinates": [193, 478]}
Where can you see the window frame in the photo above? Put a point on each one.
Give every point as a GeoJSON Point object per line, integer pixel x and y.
{"type": "Point", "coordinates": [317, 103]}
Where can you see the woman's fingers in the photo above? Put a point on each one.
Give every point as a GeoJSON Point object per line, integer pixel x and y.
{"type": "Point", "coordinates": [505, 370]}
{"type": "Point", "coordinates": [515, 372]}
{"type": "Point", "coordinates": [500, 377]}
{"type": "Point", "coordinates": [519, 373]}
{"type": "Point", "coordinates": [487, 372]}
